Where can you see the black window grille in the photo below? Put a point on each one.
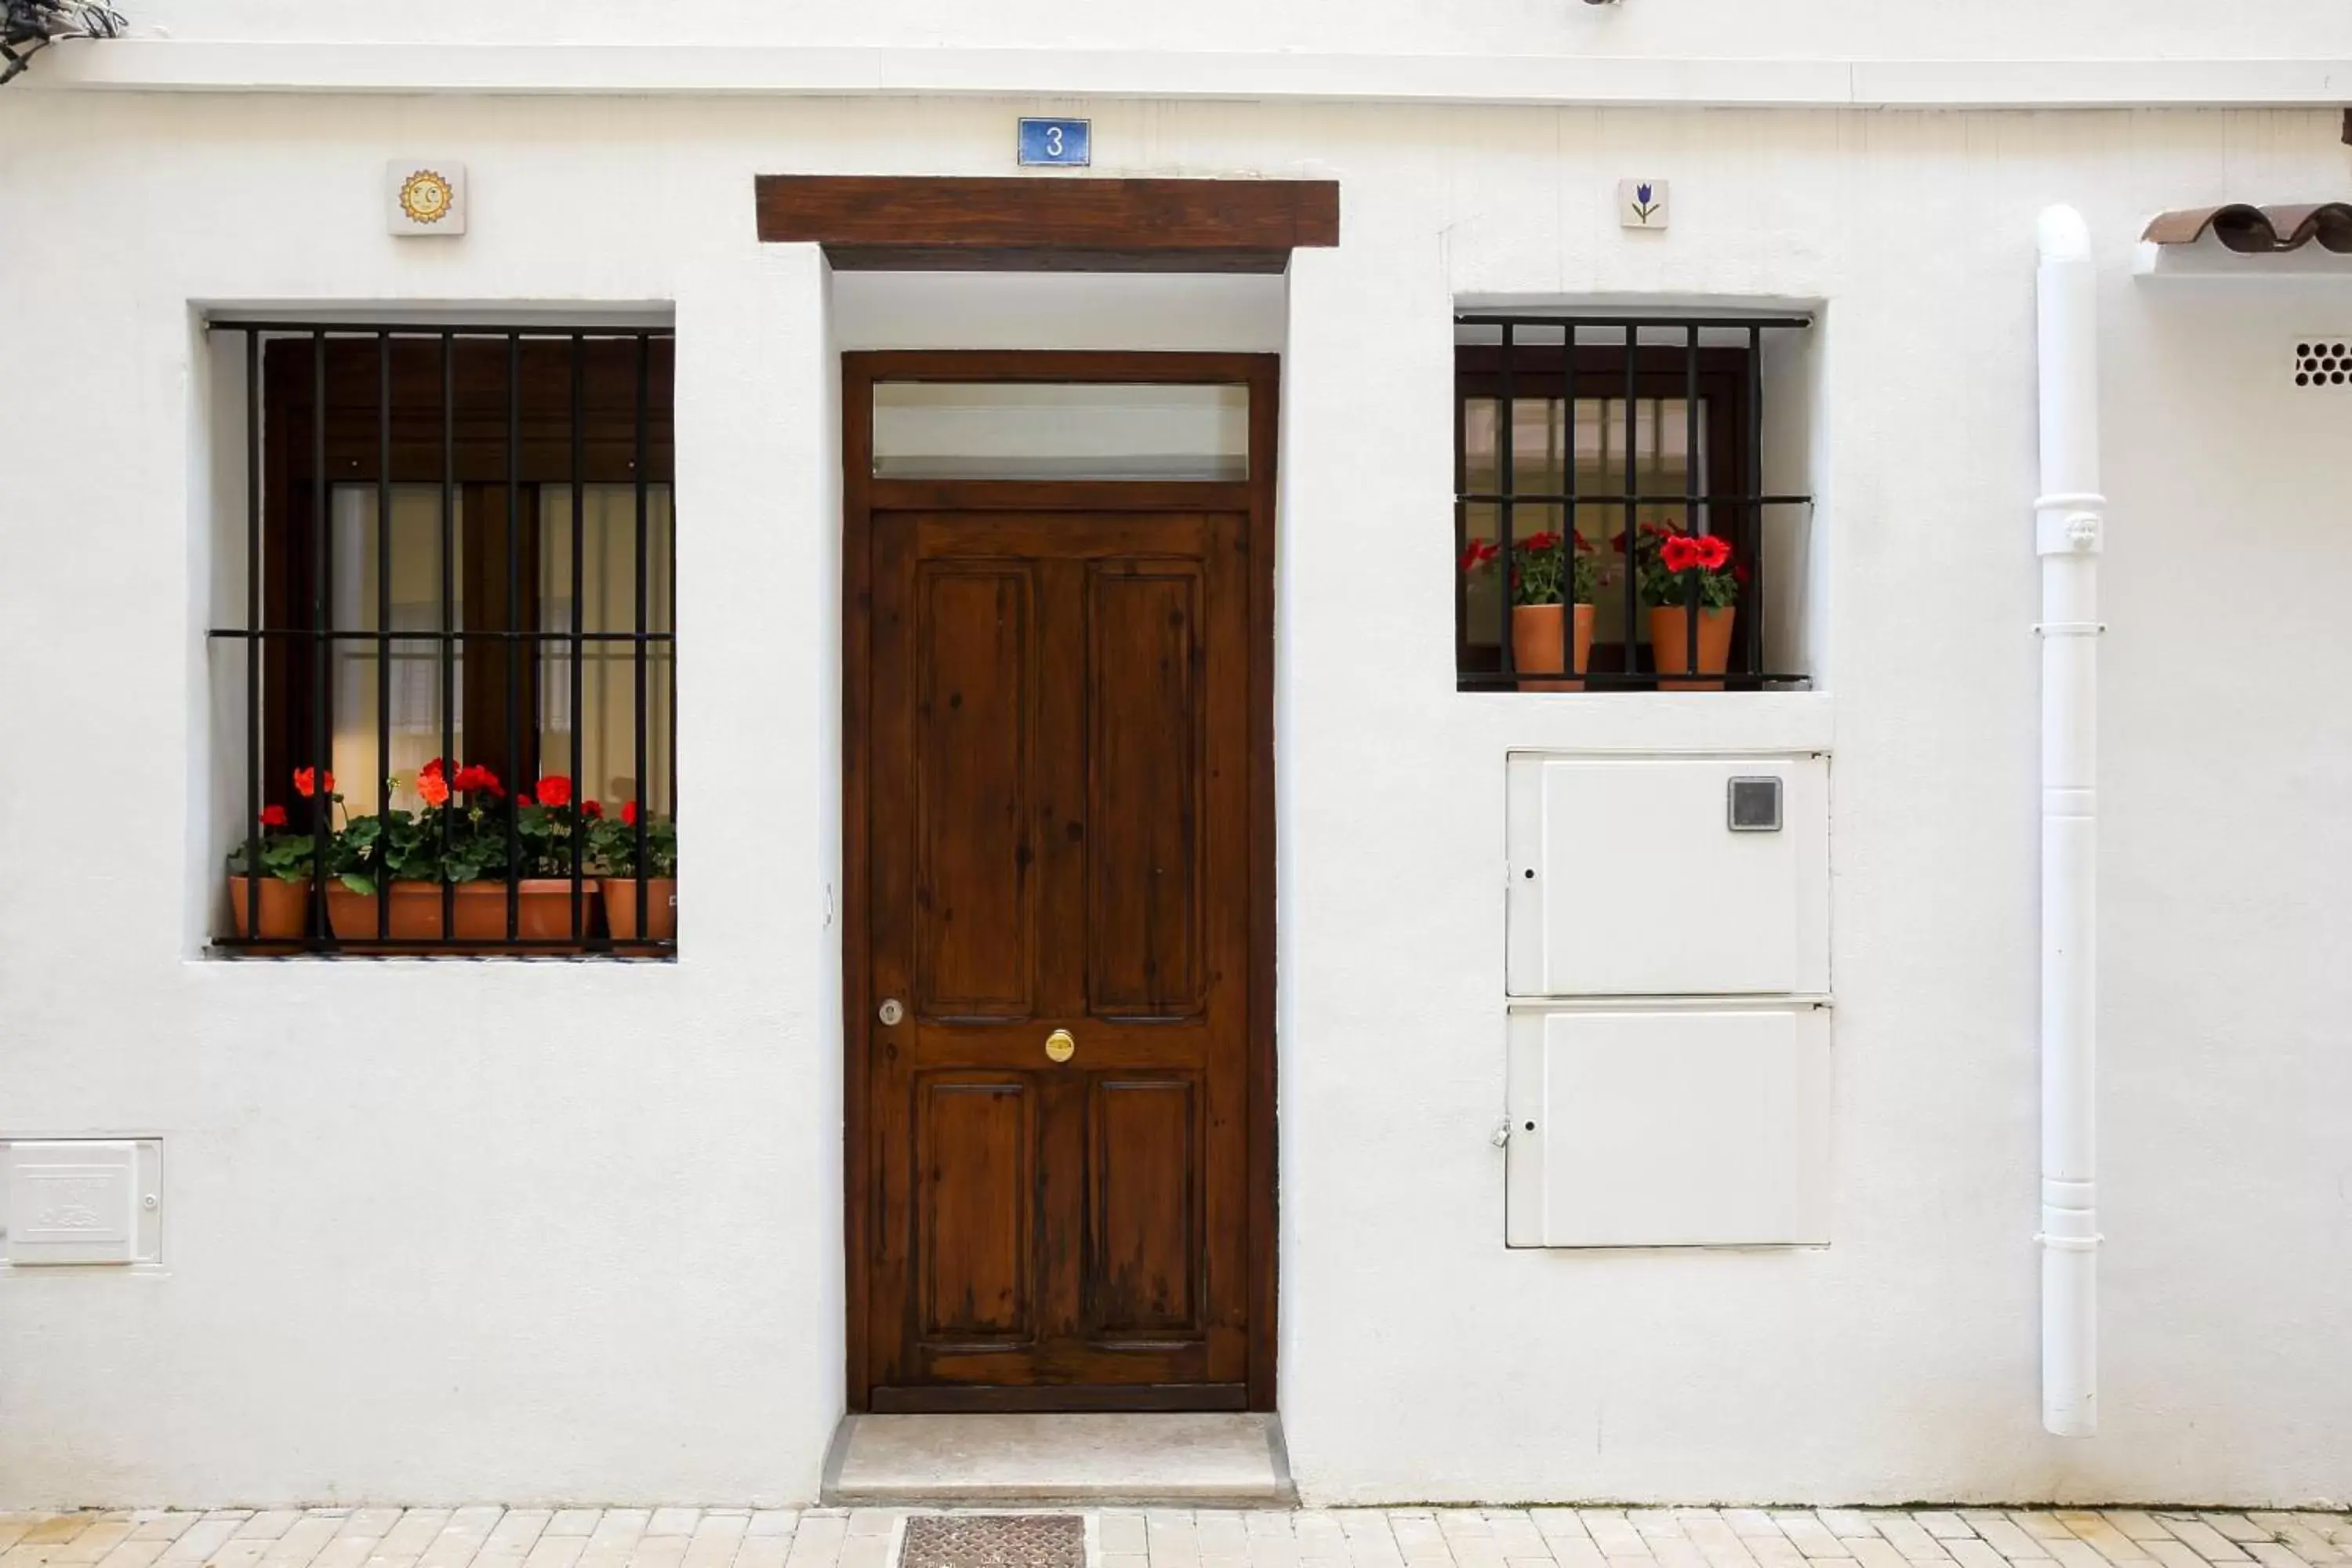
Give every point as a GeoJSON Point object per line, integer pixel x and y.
{"type": "Point", "coordinates": [458, 671]}
{"type": "Point", "coordinates": [1597, 439]}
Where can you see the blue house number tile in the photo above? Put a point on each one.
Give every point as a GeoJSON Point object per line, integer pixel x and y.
{"type": "Point", "coordinates": [1068, 143]}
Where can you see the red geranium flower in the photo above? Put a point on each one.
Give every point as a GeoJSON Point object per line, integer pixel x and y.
{"type": "Point", "coordinates": [273, 816]}
{"type": "Point", "coordinates": [554, 790]}
{"type": "Point", "coordinates": [1480, 553]}
{"type": "Point", "coordinates": [475, 778]}
{"type": "Point", "coordinates": [1544, 541]}
{"type": "Point", "coordinates": [306, 782]}
{"type": "Point", "coordinates": [629, 814]}
{"type": "Point", "coordinates": [431, 769]}
{"type": "Point", "coordinates": [432, 787]}
{"type": "Point", "coordinates": [524, 799]}
{"type": "Point", "coordinates": [1679, 554]}
{"type": "Point", "coordinates": [592, 808]}
{"type": "Point", "coordinates": [1713, 551]}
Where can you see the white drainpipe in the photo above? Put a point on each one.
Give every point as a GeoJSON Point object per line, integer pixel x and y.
{"type": "Point", "coordinates": [2068, 529]}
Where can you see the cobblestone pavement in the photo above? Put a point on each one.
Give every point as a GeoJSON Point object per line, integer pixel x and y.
{"type": "Point", "coordinates": [493, 1537]}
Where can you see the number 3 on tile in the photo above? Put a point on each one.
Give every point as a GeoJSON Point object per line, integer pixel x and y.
{"type": "Point", "coordinates": [1064, 143]}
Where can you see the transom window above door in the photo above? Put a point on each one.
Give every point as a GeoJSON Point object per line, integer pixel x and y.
{"type": "Point", "coordinates": [1060, 430]}
{"type": "Point", "coordinates": [448, 672]}
{"type": "Point", "coordinates": [1614, 530]}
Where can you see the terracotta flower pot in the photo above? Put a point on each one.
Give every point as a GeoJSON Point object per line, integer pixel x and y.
{"type": "Point", "coordinates": [621, 908]}
{"type": "Point", "coordinates": [1670, 645]}
{"type": "Point", "coordinates": [278, 911]}
{"type": "Point", "coordinates": [543, 908]}
{"type": "Point", "coordinates": [416, 913]}
{"type": "Point", "coordinates": [479, 911]}
{"type": "Point", "coordinates": [1536, 644]}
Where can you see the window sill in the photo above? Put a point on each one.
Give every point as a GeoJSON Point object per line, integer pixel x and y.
{"type": "Point", "coordinates": [270, 952]}
{"type": "Point", "coordinates": [1658, 723]}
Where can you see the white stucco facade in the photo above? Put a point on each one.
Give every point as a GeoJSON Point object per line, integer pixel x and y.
{"type": "Point", "coordinates": [558, 1231]}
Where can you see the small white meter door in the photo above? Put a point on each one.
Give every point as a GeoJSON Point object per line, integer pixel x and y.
{"type": "Point", "coordinates": [76, 1200]}
{"type": "Point", "coordinates": [1668, 876]}
{"type": "Point", "coordinates": [1672, 1127]}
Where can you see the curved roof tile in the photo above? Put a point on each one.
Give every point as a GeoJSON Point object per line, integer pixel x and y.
{"type": "Point", "coordinates": [2258, 231]}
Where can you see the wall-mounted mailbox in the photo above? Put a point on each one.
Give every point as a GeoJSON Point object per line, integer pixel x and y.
{"type": "Point", "coordinates": [1668, 876]}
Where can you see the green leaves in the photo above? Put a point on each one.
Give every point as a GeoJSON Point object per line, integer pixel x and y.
{"type": "Point", "coordinates": [1540, 563]}
{"type": "Point", "coordinates": [547, 834]}
{"type": "Point", "coordinates": [478, 833]}
{"type": "Point", "coordinates": [285, 855]}
{"type": "Point", "coordinates": [613, 844]}
{"type": "Point", "coordinates": [406, 847]}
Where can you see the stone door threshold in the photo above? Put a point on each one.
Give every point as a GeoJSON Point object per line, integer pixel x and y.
{"type": "Point", "coordinates": [1223, 1461]}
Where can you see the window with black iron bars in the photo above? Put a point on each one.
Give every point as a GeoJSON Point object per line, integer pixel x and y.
{"type": "Point", "coordinates": [1609, 529]}
{"type": "Point", "coordinates": [458, 667]}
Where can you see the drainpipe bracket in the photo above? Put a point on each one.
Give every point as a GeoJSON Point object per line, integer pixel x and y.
{"type": "Point", "coordinates": [2069, 1243]}
{"type": "Point", "coordinates": [2070, 525]}
{"type": "Point", "coordinates": [2069, 629]}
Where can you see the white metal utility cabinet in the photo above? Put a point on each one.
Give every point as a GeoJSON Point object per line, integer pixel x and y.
{"type": "Point", "coordinates": [1669, 1039]}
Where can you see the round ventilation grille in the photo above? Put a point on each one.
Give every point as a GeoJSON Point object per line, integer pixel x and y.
{"type": "Point", "coordinates": [2323, 362]}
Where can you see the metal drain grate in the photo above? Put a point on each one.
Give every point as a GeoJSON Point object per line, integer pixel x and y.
{"type": "Point", "coordinates": [995, 1541]}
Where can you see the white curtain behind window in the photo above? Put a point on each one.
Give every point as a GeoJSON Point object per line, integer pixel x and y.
{"type": "Point", "coordinates": [608, 765]}
{"type": "Point", "coordinates": [415, 668]}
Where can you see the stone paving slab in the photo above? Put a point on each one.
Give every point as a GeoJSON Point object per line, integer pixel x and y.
{"type": "Point", "coordinates": [492, 1536]}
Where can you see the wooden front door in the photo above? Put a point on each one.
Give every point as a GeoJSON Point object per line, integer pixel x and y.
{"type": "Point", "coordinates": [1066, 1162]}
